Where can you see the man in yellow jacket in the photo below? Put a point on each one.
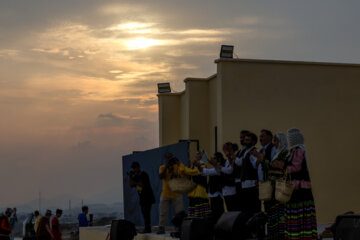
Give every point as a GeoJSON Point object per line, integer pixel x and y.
{"type": "Point", "coordinates": [168, 171]}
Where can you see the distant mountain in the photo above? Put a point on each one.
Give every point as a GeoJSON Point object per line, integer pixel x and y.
{"type": "Point", "coordinates": [105, 200]}
{"type": "Point", "coordinates": [107, 197]}
{"type": "Point", "coordinates": [61, 202]}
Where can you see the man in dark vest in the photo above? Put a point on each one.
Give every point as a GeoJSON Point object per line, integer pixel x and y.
{"type": "Point", "coordinates": [5, 228]}
{"type": "Point", "coordinates": [243, 134]}
{"type": "Point", "coordinates": [251, 173]}
{"type": "Point", "coordinates": [141, 181]}
{"type": "Point", "coordinates": [237, 169]}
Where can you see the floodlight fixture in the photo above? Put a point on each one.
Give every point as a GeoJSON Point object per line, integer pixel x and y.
{"type": "Point", "coordinates": [164, 88]}
{"type": "Point", "coordinates": [226, 51]}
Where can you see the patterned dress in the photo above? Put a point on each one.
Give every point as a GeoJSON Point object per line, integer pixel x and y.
{"type": "Point", "coordinates": [300, 215]}
{"type": "Point", "coordinates": [275, 210]}
{"type": "Point", "coordinates": [198, 198]}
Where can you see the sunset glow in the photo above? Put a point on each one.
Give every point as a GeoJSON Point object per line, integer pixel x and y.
{"type": "Point", "coordinates": [140, 43]}
{"type": "Point", "coordinates": [78, 79]}
{"type": "Point", "coordinates": [130, 26]}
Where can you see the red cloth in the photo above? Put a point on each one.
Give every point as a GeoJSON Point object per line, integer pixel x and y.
{"type": "Point", "coordinates": [55, 228]}
{"type": "Point", "coordinates": [4, 225]}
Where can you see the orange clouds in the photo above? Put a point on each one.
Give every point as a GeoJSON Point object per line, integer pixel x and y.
{"type": "Point", "coordinates": [79, 91]}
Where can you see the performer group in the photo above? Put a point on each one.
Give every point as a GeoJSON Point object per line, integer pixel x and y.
{"type": "Point", "coordinates": [230, 179]}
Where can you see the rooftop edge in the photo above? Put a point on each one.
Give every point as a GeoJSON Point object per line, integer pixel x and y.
{"type": "Point", "coordinates": [285, 62]}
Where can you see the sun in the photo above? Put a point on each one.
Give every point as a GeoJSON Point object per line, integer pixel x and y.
{"type": "Point", "coordinates": [141, 43]}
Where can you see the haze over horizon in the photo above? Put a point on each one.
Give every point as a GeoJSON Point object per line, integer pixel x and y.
{"type": "Point", "coordinates": [78, 78]}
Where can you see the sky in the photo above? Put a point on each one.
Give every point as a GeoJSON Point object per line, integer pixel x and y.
{"type": "Point", "coordinates": [78, 77]}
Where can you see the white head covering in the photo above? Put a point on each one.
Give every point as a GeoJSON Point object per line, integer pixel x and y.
{"type": "Point", "coordinates": [283, 145]}
{"type": "Point", "coordinates": [296, 138]}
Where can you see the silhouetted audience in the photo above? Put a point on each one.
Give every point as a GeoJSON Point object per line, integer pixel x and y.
{"type": "Point", "coordinates": [13, 222]}
{"type": "Point", "coordinates": [43, 231]}
{"type": "Point", "coordinates": [5, 227]}
{"type": "Point", "coordinates": [82, 218]}
{"type": "Point", "coordinates": [55, 225]}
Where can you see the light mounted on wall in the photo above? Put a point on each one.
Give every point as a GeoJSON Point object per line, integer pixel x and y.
{"type": "Point", "coordinates": [164, 88]}
{"type": "Point", "coordinates": [226, 51]}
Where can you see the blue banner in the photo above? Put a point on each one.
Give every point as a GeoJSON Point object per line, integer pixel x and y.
{"type": "Point", "coordinates": [150, 161]}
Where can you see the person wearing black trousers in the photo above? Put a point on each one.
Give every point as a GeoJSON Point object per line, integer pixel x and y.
{"type": "Point", "coordinates": [251, 173]}
{"type": "Point", "coordinates": [141, 181]}
{"type": "Point", "coordinates": [226, 170]}
{"type": "Point", "coordinates": [214, 188]}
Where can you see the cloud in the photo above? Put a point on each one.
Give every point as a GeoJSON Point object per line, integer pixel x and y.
{"type": "Point", "coordinates": [149, 102]}
{"type": "Point", "coordinates": [117, 120]}
{"type": "Point", "coordinates": [82, 145]}
{"type": "Point", "coordinates": [110, 116]}
{"type": "Point", "coordinates": [138, 101]}
{"type": "Point", "coordinates": [111, 9]}
{"type": "Point", "coordinates": [65, 93]}
{"type": "Point", "coordinates": [82, 74]}
{"type": "Point", "coordinates": [9, 52]}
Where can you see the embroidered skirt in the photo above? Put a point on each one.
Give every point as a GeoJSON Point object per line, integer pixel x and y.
{"type": "Point", "coordinates": [300, 217]}
{"type": "Point", "coordinates": [275, 225]}
{"type": "Point", "coordinates": [198, 207]}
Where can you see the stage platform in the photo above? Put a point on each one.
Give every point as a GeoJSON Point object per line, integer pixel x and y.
{"type": "Point", "coordinates": [100, 233]}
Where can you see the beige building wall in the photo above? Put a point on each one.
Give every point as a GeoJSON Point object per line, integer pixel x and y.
{"type": "Point", "coordinates": [198, 110]}
{"type": "Point", "coordinates": [93, 233]}
{"type": "Point", "coordinates": [170, 118]}
{"type": "Point", "coordinates": [184, 114]}
{"type": "Point", "coordinates": [213, 113]}
{"type": "Point", "coordinates": [322, 99]}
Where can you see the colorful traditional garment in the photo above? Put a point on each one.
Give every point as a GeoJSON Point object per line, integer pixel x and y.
{"type": "Point", "coordinates": [198, 198]}
{"type": "Point", "coordinates": [275, 226]}
{"type": "Point", "coordinates": [300, 220]}
{"type": "Point", "coordinates": [275, 210]}
{"type": "Point", "coordinates": [199, 207]}
{"type": "Point", "coordinates": [300, 214]}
